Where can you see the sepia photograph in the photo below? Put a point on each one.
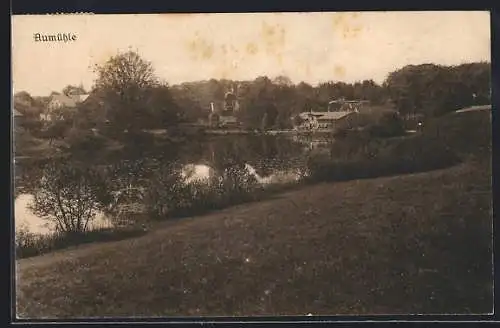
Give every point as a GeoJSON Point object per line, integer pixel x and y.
{"type": "Point", "coordinates": [252, 164]}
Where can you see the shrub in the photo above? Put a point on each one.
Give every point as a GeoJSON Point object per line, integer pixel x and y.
{"type": "Point", "coordinates": [29, 244]}
{"type": "Point", "coordinates": [389, 125]}
{"type": "Point", "coordinates": [469, 134]}
{"type": "Point", "coordinates": [69, 195]}
{"type": "Point", "coordinates": [169, 195]}
{"type": "Point", "coordinates": [165, 191]}
{"type": "Point", "coordinates": [84, 140]}
{"type": "Point", "coordinates": [360, 157]}
{"type": "Point", "coordinates": [32, 125]}
{"type": "Point", "coordinates": [24, 140]}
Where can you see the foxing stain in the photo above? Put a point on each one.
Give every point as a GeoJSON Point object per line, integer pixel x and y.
{"type": "Point", "coordinates": [345, 24]}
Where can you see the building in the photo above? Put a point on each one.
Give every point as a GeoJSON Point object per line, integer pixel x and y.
{"type": "Point", "coordinates": [340, 114]}
{"type": "Point", "coordinates": [231, 103]}
{"type": "Point", "coordinates": [325, 120]}
{"type": "Point", "coordinates": [224, 115]}
{"type": "Point", "coordinates": [60, 101]}
{"type": "Point", "coordinates": [222, 119]}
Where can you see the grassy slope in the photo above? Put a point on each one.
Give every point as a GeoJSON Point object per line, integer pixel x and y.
{"type": "Point", "coordinates": [410, 244]}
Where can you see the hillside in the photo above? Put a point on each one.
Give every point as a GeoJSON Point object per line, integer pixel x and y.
{"type": "Point", "coordinates": [411, 244]}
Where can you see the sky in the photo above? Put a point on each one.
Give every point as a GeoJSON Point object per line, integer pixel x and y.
{"type": "Point", "coordinates": [309, 47]}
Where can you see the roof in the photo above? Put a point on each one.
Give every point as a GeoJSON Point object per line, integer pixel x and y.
{"type": "Point", "coordinates": [325, 115]}
{"type": "Point", "coordinates": [80, 98]}
{"type": "Point", "coordinates": [71, 100]}
{"type": "Point", "coordinates": [338, 101]}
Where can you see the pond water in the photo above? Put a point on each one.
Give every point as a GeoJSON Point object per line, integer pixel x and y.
{"type": "Point", "coordinates": [268, 160]}
{"type": "Point", "coordinates": [26, 220]}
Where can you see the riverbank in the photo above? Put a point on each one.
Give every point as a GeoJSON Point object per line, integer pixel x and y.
{"type": "Point", "coordinates": [289, 132]}
{"type": "Point", "coordinates": [417, 243]}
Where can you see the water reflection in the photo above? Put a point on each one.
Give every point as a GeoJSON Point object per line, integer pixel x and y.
{"type": "Point", "coordinates": [130, 188]}
{"type": "Point", "coordinates": [196, 172]}
{"type": "Point", "coordinates": [26, 220]}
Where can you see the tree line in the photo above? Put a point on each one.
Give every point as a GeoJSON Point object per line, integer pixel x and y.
{"type": "Point", "coordinates": [129, 96]}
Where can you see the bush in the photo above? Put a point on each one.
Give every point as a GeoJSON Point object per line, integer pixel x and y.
{"type": "Point", "coordinates": [389, 125]}
{"type": "Point", "coordinates": [24, 140]}
{"type": "Point", "coordinates": [360, 157]}
{"type": "Point", "coordinates": [168, 195]}
{"type": "Point", "coordinates": [469, 134]}
{"type": "Point", "coordinates": [32, 125]}
{"type": "Point", "coordinates": [79, 139]}
{"type": "Point", "coordinates": [29, 244]}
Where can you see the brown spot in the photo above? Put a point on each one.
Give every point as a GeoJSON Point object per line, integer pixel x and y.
{"type": "Point", "coordinates": [252, 48]}
{"type": "Point", "coordinates": [279, 57]}
{"type": "Point", "coordinates": [234, 49]}
{"type": "Point", "coordinates": [191, 45]}
{"type": "Point", "coordinates": [200, 48]}
{"type": "Point", "coordinates": [207, 50]}
{"type": "Point", "coordinates": [268, 30]}
{"type": "Point", "coordinates": [273, 38]}
{"type": "Point", "coordinates": [339, 71]}
{"type": "Point", "coordinates": [346, 25]}
{"type": "Point", "coordinates": [223, 49]}
{"type": "Point", "coordinates": [338, 20]}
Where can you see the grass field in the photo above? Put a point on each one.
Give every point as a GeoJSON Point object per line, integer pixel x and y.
{"type": "Point", "coordinates": [417, 243]}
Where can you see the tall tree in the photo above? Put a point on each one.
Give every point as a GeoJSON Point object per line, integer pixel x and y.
{"type": "Point", "coordinates": [74, 90]}
{"type": "Point", "coordinates": [161, 109]}
{"type": "Point", "coordinates": [434, 90]}
{"type": "Point", "coordinates": [24, 98]}
{"type": "Point", "coordinates": [257, 101]}
{"type": "Point", "coordinates": [123, 83]}
{"type": "Point", "coordinates": [31, 108]}
{"type": "Point", "coordinates": [282, 81]}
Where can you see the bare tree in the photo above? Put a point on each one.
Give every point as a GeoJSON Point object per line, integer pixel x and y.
{"type": "Point", "coordinates": [69, 196]}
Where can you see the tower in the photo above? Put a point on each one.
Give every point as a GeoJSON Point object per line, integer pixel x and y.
{"type": "Point", "coordinates": [231, 104]}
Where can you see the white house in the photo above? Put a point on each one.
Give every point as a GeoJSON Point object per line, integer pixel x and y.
{"type": "Point", "coordinates": [322, 120]}
{"type": "Point", "coordinates": [60, 101]}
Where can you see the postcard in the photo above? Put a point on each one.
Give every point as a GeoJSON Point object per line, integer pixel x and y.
{"type": "Point", "coordinates": [252, 164]}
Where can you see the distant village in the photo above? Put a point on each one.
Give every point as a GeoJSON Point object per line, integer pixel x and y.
{"type": "Point", "coordinates": [223, 114]}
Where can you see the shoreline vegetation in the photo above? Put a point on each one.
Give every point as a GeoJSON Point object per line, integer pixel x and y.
{"type": "Point", "coordinates": [446, 142]}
